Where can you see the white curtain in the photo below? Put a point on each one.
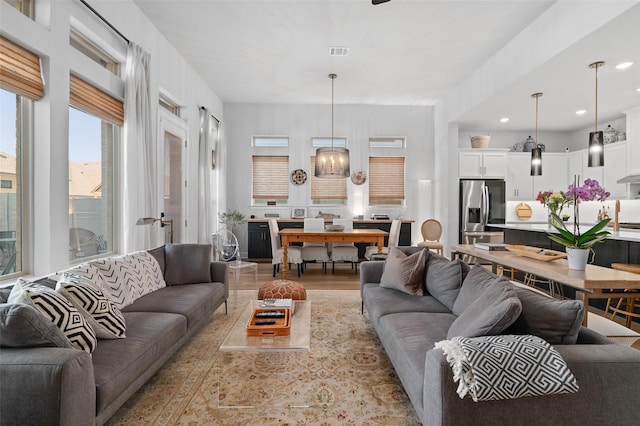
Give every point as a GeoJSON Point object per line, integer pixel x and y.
{"type": "Point", "coordinates": [138, 185]}
{"type": "Point", "coordinates": [206, 158]}
{"type": "Point", "coordinates": [221, 174]}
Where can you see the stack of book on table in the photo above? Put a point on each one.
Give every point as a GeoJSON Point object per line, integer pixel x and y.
{"type": "Point", "coordinates": [490, 246]}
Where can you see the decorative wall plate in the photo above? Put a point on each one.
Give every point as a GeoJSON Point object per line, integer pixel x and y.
{"type": "Point", "coordinates": [358, 177]}
{"type": "Point", "coordinates": [298, 177]}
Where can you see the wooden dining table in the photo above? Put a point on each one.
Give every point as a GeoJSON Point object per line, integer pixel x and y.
{"type": "Point", "coordinates": [595, 282]}
{"type": "Point", "coordinates": [292, 235]}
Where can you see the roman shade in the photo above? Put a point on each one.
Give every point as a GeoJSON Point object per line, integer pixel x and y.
{"type": "Point", "coordinates": [326, 189]}
{"type": "Point", "coordinates": [20, 71]}
{"type": "Point", "coordinates": [92, 100]}
{"type": "Point", "coordinates": [270, 177]}
{"type": "Point", "coordinates": [386, 178]}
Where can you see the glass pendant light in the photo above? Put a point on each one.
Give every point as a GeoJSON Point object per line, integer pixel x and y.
{"type": "Point", "coordinates": [332, 163]}
{"type": "Point", "coordinates": [536, 152]}
{"type": "Point", "coordinates": [596, 138]}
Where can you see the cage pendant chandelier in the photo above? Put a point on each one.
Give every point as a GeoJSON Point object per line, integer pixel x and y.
{"type": "Point", "coordinates": [333, 162]}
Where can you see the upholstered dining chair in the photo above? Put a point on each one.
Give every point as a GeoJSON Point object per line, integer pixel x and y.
{"type": "Point", "coordinates": [431, 230]}
{"type": "Point", "coordinates": [314, 252]}
{"type": "Point", "coordinates": [294, 254]}
{"type": "Point", "coordinates": [344, 252]}
{"type": "Point", "coordinates": [394, 239]}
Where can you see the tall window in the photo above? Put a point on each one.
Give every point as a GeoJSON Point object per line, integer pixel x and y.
{"type": "Point", "coordinates": [386, 180]}
{"type": "Point", "coordinates": [26, 7]}
{"type": "Point", "coordinates": [94, 123]}
{"type": "Point", "coordinates": [270, 178]}
{"type": "Point", "coordinates": [327, 191]}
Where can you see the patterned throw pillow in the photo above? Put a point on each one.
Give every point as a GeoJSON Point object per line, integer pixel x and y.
{"type": "Point", "coordinates": [101, 313]}
{"type": "Point", "coordinates": [404, 273]}
{"type": "Point", "coordinates": [57, 309]}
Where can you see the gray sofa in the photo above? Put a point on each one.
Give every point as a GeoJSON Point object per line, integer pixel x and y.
{"type": "Point", "coordinates": [62, 386]}
{"type": "Point", "coordinates": [409, 325]}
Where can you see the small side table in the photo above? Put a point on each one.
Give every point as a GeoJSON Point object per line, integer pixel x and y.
{"type": "Point", "coordinates": [238, 266]}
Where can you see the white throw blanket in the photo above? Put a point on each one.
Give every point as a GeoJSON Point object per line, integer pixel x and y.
{"type": "Point", "coordinates": [506, 367]}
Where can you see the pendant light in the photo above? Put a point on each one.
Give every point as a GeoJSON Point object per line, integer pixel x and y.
{"type": "Point", "coordinates": [332, 163]}
{"type": "Point", "coordinates": [596, 138]}
{"type": "Point", "coordinates": [536, 152]}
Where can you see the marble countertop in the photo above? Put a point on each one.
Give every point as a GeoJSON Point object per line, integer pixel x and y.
{"type": "Point", "coordinates": [622, 235]}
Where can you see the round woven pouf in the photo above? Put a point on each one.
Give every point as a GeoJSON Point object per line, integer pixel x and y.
{"type": "Point", "coordinates": [282, 289]}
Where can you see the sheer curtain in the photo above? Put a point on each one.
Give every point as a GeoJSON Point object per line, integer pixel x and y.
{"type": "Point", "coordinates": [138, 184]}
{"type": "Point", "coordinates": [221, 174]}
{"type": "Point", "coordinates": [207, 153]}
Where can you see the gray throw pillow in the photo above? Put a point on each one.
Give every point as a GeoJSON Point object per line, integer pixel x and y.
{"type": "Point", "coordinates": [158, 254]}
{"type": "Point", "coordinates": [491, 313]}
{"type": "Point", "coordinates": [472, 287]}
{"type": "Point", "coordinates": [404, 273]}
{"type": "Point", "coordinates": [187, 264]}
{"type": "Point", "coordinates": [444, 279]}
{"type": "Point", "coordinates": [23, 326]}
{"type": "Point", "coordinates": [556, 321]}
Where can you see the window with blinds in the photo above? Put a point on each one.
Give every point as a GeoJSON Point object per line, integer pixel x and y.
{"type": "Point", "coordinates": [326, 191]}
{"type": "Point", "coordinates": [386, 180]}
{"type": "Point", "coordinates": [270, 178]}
{"type": "Point", "coordinates": [94, 101]}
{"type": "Point", "coordinates": [20, 71]}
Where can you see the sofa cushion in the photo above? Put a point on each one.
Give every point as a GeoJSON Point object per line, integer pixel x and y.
{"type": "Point", "coordinates": [472, 287]}
{"type": "Point", "coordinates": [100, 312]}
{"type": "Point", "coordinates": [404, 272]}
{"type": "Point", "coordinates": [158, 255]}
{"type": "Point", "coordinates": [23, 326]}
{"type": "Point", "coordinates": [58, 310]}
{"type": "Point", "coordinates": [492, 312]}
{"type": "Point", "coordinates": [187, 263]}
{"type": "Point", "coordinates": [556, 321]}
{"type": "Point", "coordinates": [444, 278]}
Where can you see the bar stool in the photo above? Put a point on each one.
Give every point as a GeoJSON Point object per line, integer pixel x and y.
{"type": "Point", "coordinates": [625, 306]}
{"type": "Point", "coordinates": [554, 289]}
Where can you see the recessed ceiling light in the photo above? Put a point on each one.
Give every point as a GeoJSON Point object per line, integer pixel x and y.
{"type": "Point", "coordinates": [624, 65]}
{"type": "Point", "coordinates": [581, 111]}
{"type": "Point", "coordinates": [504, 120]}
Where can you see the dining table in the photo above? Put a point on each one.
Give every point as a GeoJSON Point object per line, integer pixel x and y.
{"type": "Point", "coordinates": [595, 282]}
{"type": "Point", "coordinates": [293, 235]}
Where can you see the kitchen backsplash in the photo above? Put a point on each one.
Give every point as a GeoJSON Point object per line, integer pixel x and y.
{"type": "Point", "coordinates": [629, 211]}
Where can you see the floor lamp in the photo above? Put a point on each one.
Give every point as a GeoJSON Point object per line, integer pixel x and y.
{"type": "Point", "coordinates": [163, 222]}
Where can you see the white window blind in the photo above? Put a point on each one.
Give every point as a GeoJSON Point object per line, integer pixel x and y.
{"type": "Point", "coordinates": [386, 179]}
{"type": "Point", "coordinates": [270, 177]}
{"type": "Point", "coordinates": [92, 100]}
{"type": "Point", "coordinates": [20, 71]}
{"type": "Point", "coordinates": [326, 189]}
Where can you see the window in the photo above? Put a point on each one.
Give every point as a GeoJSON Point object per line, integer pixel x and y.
{"type": "Point", "coordinates": [270, 141]}
{"type": "Point", "coordinates": [5, 184]}
{"type": "Point", "coordinates": [93, 52]}
{"type": "Point", "coordinates": [387, 142]}
{"type": "Point", "coordinates": [94, 120]}
{"type": "Point", "coordinates": [326, 142]}
{"type": "Point", "coordinates": [270, 178]}
{"type": "Point", "coordinates": [386, 180]}
{"type": "Point", "coordinates": [25, 7]}
{"type": "Point", "coordinates": [169, 105]}
{"type": "Point", "coordinates": [327, 191]}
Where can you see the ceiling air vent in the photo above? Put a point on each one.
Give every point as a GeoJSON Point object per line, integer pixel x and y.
{"type": "Point", "coordinates": [338, 51]}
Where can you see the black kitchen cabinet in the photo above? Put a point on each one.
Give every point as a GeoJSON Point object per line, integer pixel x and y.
{"type": "Point", "coordinates": [259, 240]}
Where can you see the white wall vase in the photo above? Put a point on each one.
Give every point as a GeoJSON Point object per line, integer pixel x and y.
{"type": "Point", "coordinates": [577, 258]}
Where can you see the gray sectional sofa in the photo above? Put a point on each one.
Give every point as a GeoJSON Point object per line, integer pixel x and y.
{"type": "Point", "coordinates": [64, 386]}
{"type": "Point", "coordinates": [409, 325]}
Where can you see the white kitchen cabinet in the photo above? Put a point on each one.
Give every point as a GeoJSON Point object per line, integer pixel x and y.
{"type": "Point", "coordinates": [485, 163]}
{"type": "Point", "coordinates": [614, 169]}
{"type": "Point", "coordinates": [578, 165]}
{"type": "Point", "coordinates": [519, 182]}
{"type": "Point", "coordinates": [554, 173]}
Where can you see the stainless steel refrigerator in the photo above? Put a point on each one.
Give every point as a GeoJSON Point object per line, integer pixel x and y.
{"type": "Point", "coordinates": [482, 203]}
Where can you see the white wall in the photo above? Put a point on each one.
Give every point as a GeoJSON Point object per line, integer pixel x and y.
{"type": "Point", "coordinates": [49, 37]}
{"type": "Point", "coordinates": [355, 122]}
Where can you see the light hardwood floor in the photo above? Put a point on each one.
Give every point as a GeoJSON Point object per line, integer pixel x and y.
{"type": "Point", "coordinates": [313, 278]}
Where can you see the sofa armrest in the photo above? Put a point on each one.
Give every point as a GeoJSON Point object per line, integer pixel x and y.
{"type": "Point", "coordinates": [370, 272]}
{"type": "Point", "coordinates": [46, 386]}
{"type": "Point", "coordinates": [220, 274]}
{"type": "Point", "coordinates": [607, 376]}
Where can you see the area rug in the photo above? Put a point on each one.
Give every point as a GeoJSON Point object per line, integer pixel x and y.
{"type": "Point", "coordinates": [346, 378]}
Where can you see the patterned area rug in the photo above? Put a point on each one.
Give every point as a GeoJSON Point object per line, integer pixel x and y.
{"type": "Point", "coordinates": [346, 378]}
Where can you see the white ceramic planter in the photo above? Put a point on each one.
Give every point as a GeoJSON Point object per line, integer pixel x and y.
{"type": "Point", "coordinates": [577, 258]}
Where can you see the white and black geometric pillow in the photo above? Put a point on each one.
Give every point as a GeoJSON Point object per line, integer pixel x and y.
{"type": "Point", "coordinates": [117, 274]}
{"type": "Point", "coordinates": [57, 309]}
{"type": "Point", "coordinates": [100, 312]}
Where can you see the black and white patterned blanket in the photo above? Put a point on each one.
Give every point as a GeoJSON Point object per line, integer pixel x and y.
{"type": "Point", "coordinates": [507, 367]}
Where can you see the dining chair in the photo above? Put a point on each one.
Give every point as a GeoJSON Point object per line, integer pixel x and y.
{"type": "Point", "coordinates": [312, 251]}
{"type": "Point", "coordinates": [431, 230]}
{"type": "Point", "coordinates": [294, 254]}
{"type": "Point", "coordinates": [344, 252]}
{"type": "Point", "coordinates": [394, 238]}
{"type": "Point", "coordinates": [625, 306]}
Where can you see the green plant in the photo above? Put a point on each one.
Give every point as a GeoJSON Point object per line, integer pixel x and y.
{"type": "Point", "coordinates": [231, 218]}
